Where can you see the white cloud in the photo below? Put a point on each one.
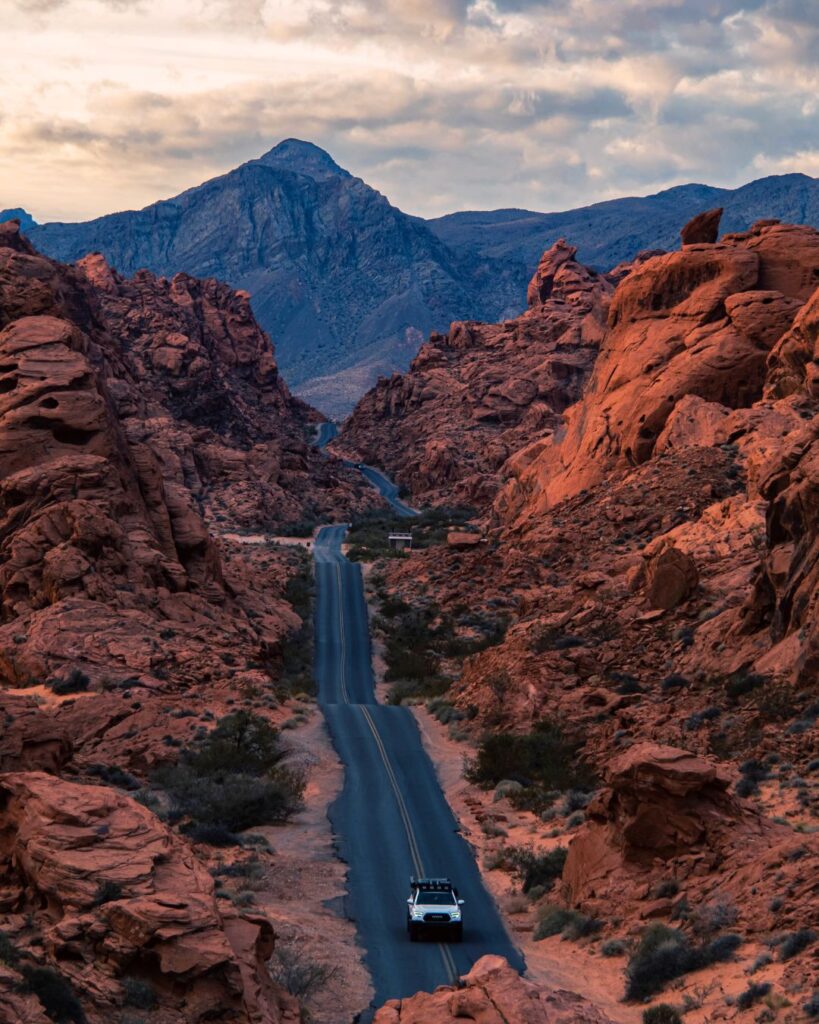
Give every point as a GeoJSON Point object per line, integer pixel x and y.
{"type": "Point", "coordinates": [441, 104]}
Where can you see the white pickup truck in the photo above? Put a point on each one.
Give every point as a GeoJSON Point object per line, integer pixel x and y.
{"type": "Point", "coordinates": [433, 907]}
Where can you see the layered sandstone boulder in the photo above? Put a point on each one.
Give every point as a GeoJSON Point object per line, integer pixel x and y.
{"type": "Point", "coordinates": [491, 993]}
{"type": "Point", "coordinates": [668, 813]}
{"type": "Point", "coordinates": [117, 895]}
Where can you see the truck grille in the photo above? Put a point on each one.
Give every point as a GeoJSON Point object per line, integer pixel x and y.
{"type": "Point", "coordinates": [436, 917]}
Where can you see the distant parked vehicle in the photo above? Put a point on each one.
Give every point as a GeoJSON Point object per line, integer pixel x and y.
{"type": "Point", "coordinates": [433, 907]}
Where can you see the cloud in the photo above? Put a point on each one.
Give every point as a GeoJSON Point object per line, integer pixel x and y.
{"type": "Point", "coordinates": [441, 104]}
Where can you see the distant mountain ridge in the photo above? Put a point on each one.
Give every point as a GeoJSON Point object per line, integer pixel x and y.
{"type": "Point", "coordinates": [348, 285]}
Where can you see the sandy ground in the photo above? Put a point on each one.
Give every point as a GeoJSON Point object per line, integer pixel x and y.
{"type": "Point", "coordinates": [305, 894]}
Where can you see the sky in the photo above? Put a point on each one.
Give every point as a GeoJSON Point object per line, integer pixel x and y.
{"type": "Point", "coordinates": [442, 105]}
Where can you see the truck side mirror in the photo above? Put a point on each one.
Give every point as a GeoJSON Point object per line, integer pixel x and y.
{"type": "Point", "coordinates": [410, 901]}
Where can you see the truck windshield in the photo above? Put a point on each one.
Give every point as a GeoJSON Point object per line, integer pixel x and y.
{"type": "Point", "coordinates": [435, 898]}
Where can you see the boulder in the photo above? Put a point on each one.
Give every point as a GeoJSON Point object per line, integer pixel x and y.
{"type": "Point", "coordinates": [491, 993]}
{"type": "Point", "coordinates": [671, 577]}
{"type": "Point", "coordinates": [704, 228]}
{"type": "Point", "coordinates": [62, 844]}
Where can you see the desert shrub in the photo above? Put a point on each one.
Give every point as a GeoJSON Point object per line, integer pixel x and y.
{"type": "Point", "coordinates": [742, 683]}
{"type": "Point", "coordinates": [75, 682]}
{"type": "Point", "coordinates": [662, 1013]}
{"type": "Point", "coordinates": [139, 994]}
{"type": "Point", "coordinates": [241, 743]}
{"type": "Point", "coordinates": [713, 917]}
{"type": "Point", "coordinates": [233, 779]}
{"type": "Point", "coordinates": [613, 947]}
{"type": "Point", "coordinates": [665, 889]}
{"type": "Point", "coordinates": [536, 868]}
{"type": "Point", "coordinates": [543, 757]}
{"type": "Point", "coordinates": [673, 682]}
{"type": "Point", "coordinates": [297, 647]}
{"type": "Point", "coordinates": [213, 835]}
{"type": "Point", "coordinates": [297, 973]}
{"type": "Point", "coordinates": [107, 892]}
{"type": "Point", "coordinates": [237, 801]}
{"type": "Point", "coordinates": [113, 775]}
{"type": "Point", "coordinates": [55, 994]}
{"type": "Point", "coordinates": [761, 961]}
{"type": "Point", "coordinates": [811, 1007]}
{"type": "Point", "coordinates": [552, 922]}
{"type": "Point", "coordinates": [754, 992]}
{"type": "Point", "coordinates": [666, 953]}
{"type": "Point", "coordinates": [753, 772]}
{"type": "Point", "coordinates": [793, 944]}
{"type": "Point", "coordinates": [8, 951]}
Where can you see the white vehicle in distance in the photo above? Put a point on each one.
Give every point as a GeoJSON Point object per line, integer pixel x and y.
{"type": "Point", "coordinates": [433, 907]}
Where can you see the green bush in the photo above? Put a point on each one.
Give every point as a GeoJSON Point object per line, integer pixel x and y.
{"type": "Point", "coordinates": [75, 682]}
{"type": "Point", "coordinates": [793, 944]}
{"type": "Point", "coordinates": [296, 674]}
{"type": "Point", "coordinates": [543, 757]}
{"type": "Point", "coordinates": [536, 869]}
{"type": "Point", "coordinates": [613, 947]}
{"type": "Point", "coordinates": [666, 953]}
{"type": "Point", "coordinates": [571, 924]}
{"type": "Point", "coordinates": [234, 778]}
{"type": "Point", "coordinates": [55, 994]}
{"type": "Point", "coordinates": [754, 992]}
{"type": "Point", "coordinates": [662, 1013]}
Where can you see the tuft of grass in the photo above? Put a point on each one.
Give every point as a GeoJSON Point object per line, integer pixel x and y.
{"type": "Point", "coordinates": [662, 1013]}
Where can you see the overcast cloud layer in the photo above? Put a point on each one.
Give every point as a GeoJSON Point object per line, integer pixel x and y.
{"type": "Point", "coordinates": [440, 104]}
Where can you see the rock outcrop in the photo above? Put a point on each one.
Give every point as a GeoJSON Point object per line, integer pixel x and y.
{"type": "Point", "coordinates": [476, 395]}
{"type": "Point", "coordinates": [133, 417]}
{"type": "Point", "coordinates": [492, 993]}
{"type": "Point", "coordinates": [116, 896]}
{"type": "Point", "coordinates": [704, 227]}
{"type": "Point", "coordinates": [667, 813]}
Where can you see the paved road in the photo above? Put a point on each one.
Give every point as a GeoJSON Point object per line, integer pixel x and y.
{"type": "Point", "coordinates": [387, 490]}
{"type": "Point", "coordinates": [391, 818]}
{"type": "Point", "coordinates": [326, 432]}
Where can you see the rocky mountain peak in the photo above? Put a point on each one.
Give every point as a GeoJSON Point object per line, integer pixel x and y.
{"type": "Point", "coordinates": [304, 158]}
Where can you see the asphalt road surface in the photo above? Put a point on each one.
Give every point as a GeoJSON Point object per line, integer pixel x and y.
{"type": "Point", "coordinates": [388, 490]}
{"type": "Point", "coordinates": [326, 432]}
{"type": "Point", "coordinates": [391, 818]}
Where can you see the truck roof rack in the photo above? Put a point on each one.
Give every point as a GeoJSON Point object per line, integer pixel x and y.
{"type": "Point", "coordinates": [434, 884]}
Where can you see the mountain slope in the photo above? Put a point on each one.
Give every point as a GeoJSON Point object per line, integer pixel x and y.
{"type": "Point", "coordinates": [344, 282]}
{"type": "Point", "coordinates": [608, 233]}
{"type": "Point", "coordinates": [348, 286]}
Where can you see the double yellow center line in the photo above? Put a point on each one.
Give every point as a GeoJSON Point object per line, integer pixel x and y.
{"type": "Point", "coordinates": [412, 841]}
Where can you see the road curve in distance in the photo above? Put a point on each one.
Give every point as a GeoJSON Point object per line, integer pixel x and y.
{"type": "Point", "coordinates": [388, 490]}
{"type": "Point", "coordinates": [326, 432]}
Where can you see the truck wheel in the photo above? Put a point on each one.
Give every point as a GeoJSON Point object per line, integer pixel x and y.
{"type": "Point", "coordinates": [458, 933]}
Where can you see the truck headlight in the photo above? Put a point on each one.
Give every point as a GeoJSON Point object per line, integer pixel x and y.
{"type": "Point", "coordinates": [417, 914]}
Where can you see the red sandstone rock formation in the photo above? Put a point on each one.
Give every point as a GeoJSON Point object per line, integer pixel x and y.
{"type": "Point", "coordinates": [667, 813]}
{"type": "Point", "coordinates": [132, 416]}
{"type": "Point", "coordinates": [704, 228]}
{"type": "Point", "coordinates": [474, 396]}
{"type": "Point", "coordinates": [492, 993]}
{"type": "Point", "coordinates": [62, 845]}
